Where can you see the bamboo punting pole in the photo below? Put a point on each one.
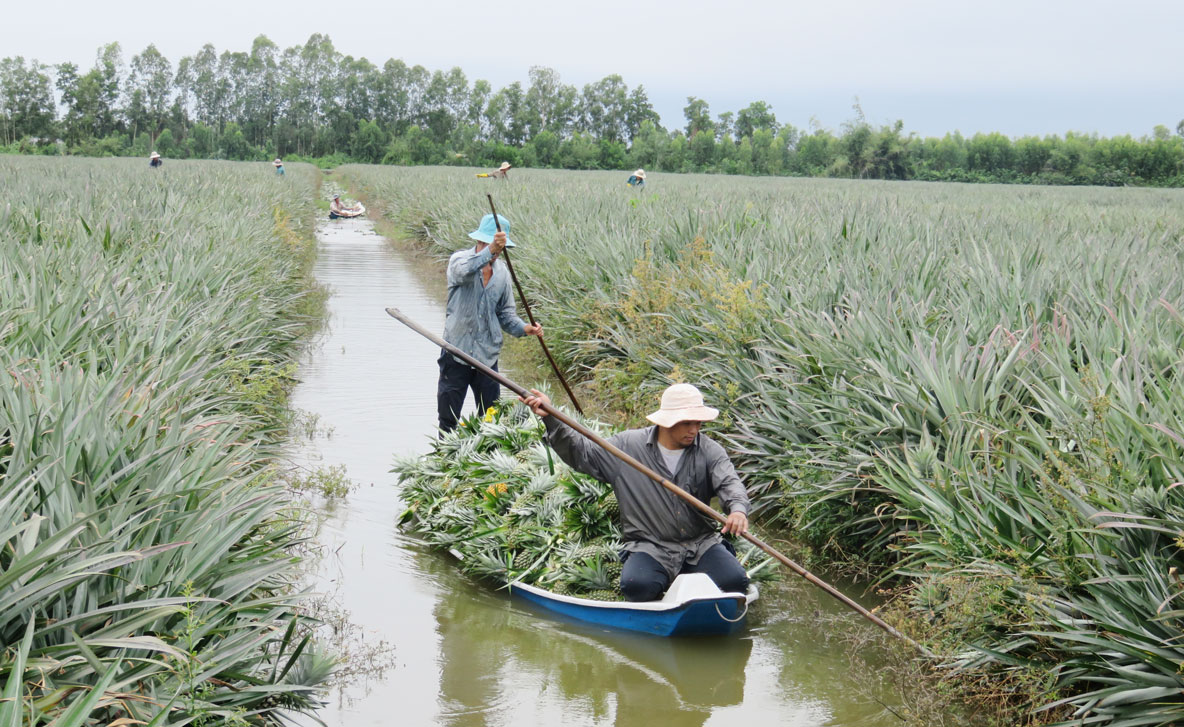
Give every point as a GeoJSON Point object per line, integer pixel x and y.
{"type": "Point", "coordinates": [530, 314]}
{"type": "Point", "coordinates": [632, 462]}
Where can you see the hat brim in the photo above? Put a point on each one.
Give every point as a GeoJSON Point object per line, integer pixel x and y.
{"type": "Point", "coordinates": [670, 417]}
{"type": "Point", "coordinates": [480, 236]}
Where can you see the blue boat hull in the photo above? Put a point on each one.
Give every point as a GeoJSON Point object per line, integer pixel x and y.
{"type": "Point", "coordinates": [694, 617]}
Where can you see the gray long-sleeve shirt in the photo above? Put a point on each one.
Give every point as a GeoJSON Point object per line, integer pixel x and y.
{"type": "Point", "coordinates": [477, 313]}
{"type": "Point", "coordinates": [654, 520]}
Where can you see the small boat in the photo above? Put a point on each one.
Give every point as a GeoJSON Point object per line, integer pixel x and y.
{"type": "Point", "coordinates": [356, 211]}
{"type": "Point", "coordinates": [692, 606]}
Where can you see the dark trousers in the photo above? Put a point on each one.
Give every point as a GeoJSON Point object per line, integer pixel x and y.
{"type": "Point", "coordinates": [644, 579]}
{"type": "Point", "coordinates": [456, 379]}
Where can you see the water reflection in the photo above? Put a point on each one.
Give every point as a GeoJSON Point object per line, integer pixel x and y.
{"type": "Point", "coordinates": [492, 647]}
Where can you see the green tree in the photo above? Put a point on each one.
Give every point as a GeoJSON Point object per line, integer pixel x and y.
{"type": "Point", "coordinates": [551, 105]}
{"type": "Point", "coordinates": [203, 88]}
{"type": "Point", "coordinates": [638, 110]}
{"type": "Point", "coordinates": [504, 118]}
{"type": "Point", "coordinates": [991, 153]}
{"type": "Point", "coordinates": [150, 83]}
{"type": "Point", "coordinates": [765, 159]}
{"type": "Point", "coordinates": [166, 144]}
{"type": "Point", "coordinates": [723, 126]}
{"type": "Point", "coordinates": [544, 148]}
{"type": "Point", "coordinates": [816, 153]}
{"type": "Point", "coordinates": [950, 153]}
{"type": "Point", "coordinates": [676, 154]}
{"type": "Point", "coordinates": [445, 104]}
{"type": "Point", "coordinates": [478, 98]}
{"type": "Point", "coordinates": [649, 146]}
{"type": "Point", "coordinates": [26, 100]}
{"type": "Point", "coordinates": [757, 115]}
{"type": "Point", "coordinates": [698, 116]}
{"type": "Point", "coordinates": [108, 75]}
{"type": "Point", "coordinates": [369, 142]}
{"type": "Point", "coordinates": [91, 100]}
{"type": "Point", "coordinates": [260, 105]}
{"type": "Point", "coordinates": [1031, 155]}
{"type": "Point", "coordinates": [603, 108]}
{"type": "Point", "coordinates": [234, 144]}
{"type": "Point", "coordinates": [612, 154]}
{"type": "Point", "coordinates": [702, 150]}
{"type": "Point", "coordinates": [579, 152]}
{"type": "Point", "coordinates": [205, 141]}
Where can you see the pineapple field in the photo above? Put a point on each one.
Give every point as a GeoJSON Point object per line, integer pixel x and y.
{"type": "Point", "coordinates": [149, 569]}
{"type": "Point", "coordinates": [970, 394]}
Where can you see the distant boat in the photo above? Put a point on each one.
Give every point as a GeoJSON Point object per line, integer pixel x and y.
{"type": "Point", "coordinates": [356, 211]}
{"type": "Point", "coordinates": [692, 606]}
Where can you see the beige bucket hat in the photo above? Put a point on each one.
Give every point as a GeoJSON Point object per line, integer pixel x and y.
{"type": "Point", "coordinates": [504, 166]}
{"type": "Point", "coordinates": [154, 155]}
{"type": "Point", "coordinates": [682, 403]}
{"type": "Point", "coordinates": [640, 174]}
{"type": "Point", "coordinates": [277, 162]}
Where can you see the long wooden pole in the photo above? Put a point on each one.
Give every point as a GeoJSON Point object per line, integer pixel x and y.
{"type": "Point", "coordinates": [634, 463]}
{"type": "Point", "coordinates": [529, 314]}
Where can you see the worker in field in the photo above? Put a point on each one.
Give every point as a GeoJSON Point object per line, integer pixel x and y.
{"type": "Point", "coordinates": [155, 161]}
{"type": "Point", "coordinates": [662, 534]}
{"type": "Point", "coordinates": [337, 208]}
{"type": "Point", "coordinates": [279, 167]}
{"type": "Point", "coordinates": [637, 179]}
{"type": "Point", "coordinates": [480, 306]}
{"type": "Point", "coordinates": [499, 173]}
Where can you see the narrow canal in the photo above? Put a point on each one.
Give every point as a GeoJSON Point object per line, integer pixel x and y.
{"type": "Point", "coordinates": [465, 654]}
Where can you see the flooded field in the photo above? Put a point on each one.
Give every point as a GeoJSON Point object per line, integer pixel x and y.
{"type": "Point", "coordinates": [465, 654]}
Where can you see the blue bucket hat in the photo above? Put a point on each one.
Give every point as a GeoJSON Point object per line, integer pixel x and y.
{"type": "Point", "coordinates": [484, 232]}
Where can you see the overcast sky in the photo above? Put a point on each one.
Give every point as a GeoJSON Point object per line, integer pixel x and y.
{"type": "Point", "coordinates": [1016, 66]}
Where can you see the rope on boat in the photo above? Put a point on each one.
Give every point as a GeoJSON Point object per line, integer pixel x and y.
{"type": "Point", "coordinates": [732, 620]}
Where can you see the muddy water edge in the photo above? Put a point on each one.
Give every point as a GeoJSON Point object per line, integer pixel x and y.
{"type": "Point", "coordinates": [460, 653]}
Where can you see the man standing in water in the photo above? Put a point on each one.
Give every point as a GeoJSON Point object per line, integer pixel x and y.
{"type": "Point", "coordinates": [663, 535]}
{"type": "Point", "coordinates": [480, 306]}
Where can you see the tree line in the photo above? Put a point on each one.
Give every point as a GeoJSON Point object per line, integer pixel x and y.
{"type": "Point", "coordinates": [311, 101]}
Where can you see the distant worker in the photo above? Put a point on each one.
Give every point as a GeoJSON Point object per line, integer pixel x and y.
{"type": "Point", "coordinates": [279, 167]}
{"type": "Point", "coordinates": [155, 160]}
{"type": "Point", "coordinates": [637, 179]}
{"type": "Point", "coordinates": [499, 173]}
{"type": "Point", "coordinates": [337, 208]}
{"type": "Point", "coordinates": [480, 306]}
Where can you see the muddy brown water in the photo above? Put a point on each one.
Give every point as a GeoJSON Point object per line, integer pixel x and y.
{"type": "Point", "coordinates": [466, 654]}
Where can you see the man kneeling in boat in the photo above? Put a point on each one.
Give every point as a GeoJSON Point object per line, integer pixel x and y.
{"type": "Point", "coordinates": [663, 535]}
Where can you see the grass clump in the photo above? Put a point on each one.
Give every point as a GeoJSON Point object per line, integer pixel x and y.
{"type": "Point", "coordinates": [330, 483]}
